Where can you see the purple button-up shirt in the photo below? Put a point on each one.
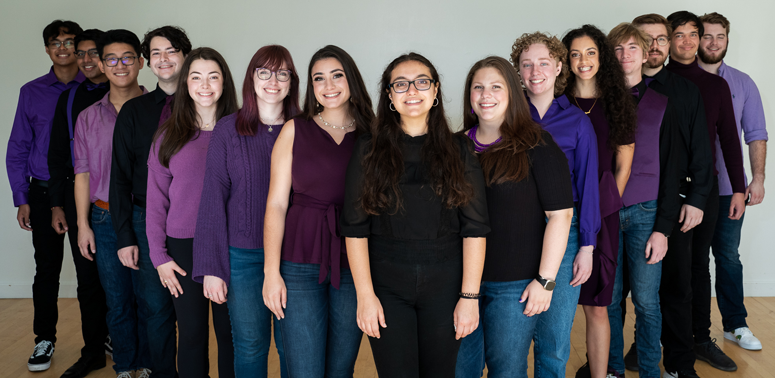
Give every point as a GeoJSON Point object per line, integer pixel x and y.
{"type": "Point", "coordinates": [574, 133]}
{"type": "Point", "coordinates": [749, 116]}
{"type": "Point", "coordinates": [28, 145]}
{"type": "Point", "coordinates": [93, 147]}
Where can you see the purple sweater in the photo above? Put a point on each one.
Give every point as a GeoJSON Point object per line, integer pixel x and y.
{"type": "Point", "coordinates": [172, 200]}
{"type": "Point", "coordinates": [231, 212]}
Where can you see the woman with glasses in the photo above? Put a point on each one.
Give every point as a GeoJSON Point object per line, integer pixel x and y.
{"type": "Point", "coordinates": [415, 218]}
{"type": "Point", "coordinates": [228, 241]}
{"type": "Point", "coordinates": [308, 284]}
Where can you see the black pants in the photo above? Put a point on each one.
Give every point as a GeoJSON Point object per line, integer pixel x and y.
{"type": "Point", "coordinates": [49, 253]}
{"type": "Point", "coordinates": [193, 312]}
{"type": "Point", "coordinates": [418, 288]}
{"type": "Point", "coordinates": [684, 269]}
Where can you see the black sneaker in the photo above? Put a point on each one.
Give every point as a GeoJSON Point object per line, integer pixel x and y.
{"type": "Point", "coordinates": [714, 356]}
{"type": "Point", "coordinates": [584, 371]}
{"type": "Point", "coordinates": [41, 356]}
{"type": "Point", "coordinates": [631, 359]}
{"type": "Point", "coordinates": [109, 346]}
{"type": "Point", "coordinates": [84, 366]}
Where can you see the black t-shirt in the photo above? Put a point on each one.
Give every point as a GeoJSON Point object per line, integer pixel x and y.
{"type": "Point", "coordinates": [515, 244]}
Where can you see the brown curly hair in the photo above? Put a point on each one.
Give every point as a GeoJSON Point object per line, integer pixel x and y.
{"type": "Point", "coordinates": [556, 50]}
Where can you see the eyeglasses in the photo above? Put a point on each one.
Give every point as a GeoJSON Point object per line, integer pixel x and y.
{"type": "Point", "coordinates": [125, 60]}
{"type": "Point", "coordinates": [69, 44]}
{"type": "Point", "coordinates": [660, 41]}
{"type": "Point", "coordinates": [92, 53]}
{"type": "Point", "coordinates": [403, 86]}
{"type": "Point", "coordinates": [266, 74]}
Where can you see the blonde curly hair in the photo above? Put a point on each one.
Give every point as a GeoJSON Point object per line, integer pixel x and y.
{"type": "Point", "coordinates": [556, 50]}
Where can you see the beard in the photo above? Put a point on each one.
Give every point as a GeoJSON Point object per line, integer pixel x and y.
{"type": "Point", "coordinates": [709, 59]}
{"type": "Point", "coordinates": [656, 62]}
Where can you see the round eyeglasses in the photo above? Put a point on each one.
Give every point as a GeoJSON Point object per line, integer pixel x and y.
{"type": "Point", "coordinates": [280, 75]}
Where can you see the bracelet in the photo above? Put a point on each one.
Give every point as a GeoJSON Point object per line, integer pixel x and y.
{"type": "Point", "coordinates": [590, 252]}
{"type": "Point", "coordinates": [470, 295]}
{"type": "Point", "coordinates": [52, 209]}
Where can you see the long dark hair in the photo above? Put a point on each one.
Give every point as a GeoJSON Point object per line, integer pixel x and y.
{"type": "Point", "coordinates": [272, 57]}
{"type": "Point", "coordinates": [383, 165]}
{"type": "Point", "coordinates": [360, 102]}
{"type": "Point", "coordinates": [611, 87]}
{"type": "Point", "coordinates": [182, 126]}
{"type": "Point", "coordinates": [507, 160]}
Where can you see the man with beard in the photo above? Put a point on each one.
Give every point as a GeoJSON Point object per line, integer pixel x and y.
{"type": "Point", "coordinates": [749, 117]}
{"type": "Point", "coordinates": [686, 100]}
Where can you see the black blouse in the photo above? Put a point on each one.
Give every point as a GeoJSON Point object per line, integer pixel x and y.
{"type": "Point", "coordinates": [424, 215]}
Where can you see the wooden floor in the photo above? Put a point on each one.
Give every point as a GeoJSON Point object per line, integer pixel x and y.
{"type": "Point", "coordinates": [16, 342]}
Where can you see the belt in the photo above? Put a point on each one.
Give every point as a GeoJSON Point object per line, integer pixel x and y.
{"type": "Point", "coordinates": [102, 205]}
{"type": "Point", "coordinates": [332, 256]}
{"type": "Point", "coordinates": [40, 183]}
{"type": "Point", "coordinates": [138, 202]}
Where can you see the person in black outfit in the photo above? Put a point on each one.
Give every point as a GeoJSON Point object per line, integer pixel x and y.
{"type": "Point", "coordinates": [415, 218]}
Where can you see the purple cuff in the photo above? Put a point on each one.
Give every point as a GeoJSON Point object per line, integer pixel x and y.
{"type": "Point", "coordinates": [587, 238]}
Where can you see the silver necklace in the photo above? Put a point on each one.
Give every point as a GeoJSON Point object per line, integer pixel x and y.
{"type": "Point", "coordinates": [335, 126]}
{"type": "Point", "coordinates": [273, 122]}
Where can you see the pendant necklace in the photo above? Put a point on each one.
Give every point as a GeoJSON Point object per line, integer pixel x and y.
{"type": "Point", "coordinates": [590, 108]}
{"type": "Point", "coordinates": [273, 122]}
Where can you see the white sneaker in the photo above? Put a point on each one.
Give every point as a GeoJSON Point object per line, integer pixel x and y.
{"type": "Point", "coordinates": [143, 373]}
{"type": "Point", "coordinates": [745, 338]}
{"type": "Point", "coordinates": [124, 374]}
{"type": "Point", "coordinates": [667, 374]}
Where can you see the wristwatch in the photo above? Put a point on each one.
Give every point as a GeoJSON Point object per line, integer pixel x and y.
{"type": "Point", "coordinates": [546, 283]}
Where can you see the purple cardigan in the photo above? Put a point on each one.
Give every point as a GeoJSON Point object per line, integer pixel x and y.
{"type": "Point", "coordinates": [231, 211]}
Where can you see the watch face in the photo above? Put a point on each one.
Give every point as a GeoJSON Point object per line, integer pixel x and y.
{"type": "Point", "coordinates": [550, 285]}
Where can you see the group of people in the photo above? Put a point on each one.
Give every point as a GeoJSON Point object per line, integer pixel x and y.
{"type": "Point", "coordinates": [585, 169]}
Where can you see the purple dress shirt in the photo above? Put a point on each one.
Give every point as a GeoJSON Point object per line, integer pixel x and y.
{"type": "Point", "coordinates": [574, 133]}
{"type": "Point", "coordinates": [28, 145]}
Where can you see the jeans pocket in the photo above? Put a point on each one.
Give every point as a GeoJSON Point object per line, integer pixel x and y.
{"type": "Point", "coordinates": [98, 216]}
{"type": "Point", "coordinates": [648, 205]}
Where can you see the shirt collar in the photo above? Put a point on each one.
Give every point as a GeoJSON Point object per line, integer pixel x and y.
{"type": "Point", "coordinates": [159, 96]}
{"type": "Point", "coordinates": [722, 68]}
{"type": "Point", "coordinates": [660, 76]}
{"type": "Point", "coordinates": [51, 77]}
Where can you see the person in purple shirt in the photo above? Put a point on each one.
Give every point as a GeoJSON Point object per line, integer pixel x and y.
{"type": "Point", "coordinates": [176, 173]}
{"type": "Point", "coordinates": [229, 238]}
{"type": "Point", "coordinates": [749, 117]}
{"type": "Point", "coordinates": [27, 170]}
{"type": "Point", "coordinates": [119, 52]}
{"type": "Point", "coordinates": [542, 64]}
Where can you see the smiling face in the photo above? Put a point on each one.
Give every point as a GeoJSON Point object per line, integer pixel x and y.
{"type": "Point", "coordinates": [121, 75]}
{"type": "Point", "coordinates": [713, 45]}
{"type": "Point", "coordinates": [62, 55]}
{"type": "Point", "coordinates": [205, 82]}
{"type": "Point", "coordinates": [489, 96]}
{"type": "Point", "coordinates": [271, 91]}
{"type": "Point", "coordinates": [330, 83]}
{"type": "Point", "coordinates": [657, 54]}
{"type": "Point", "coordinates": [88, 63]}
{"type": "Point", "coordinates": [538, 70]}
{"type": "Point", "coordinates": [631, 56]}
{"type": "Point", "coordinates": [412, 103]}
{"type": "Point", "coordinates": [166, 62]}
{"type": "Point", "coordinates": [584, 61]}
{"type": "Point", "coordinates": [684, 43]}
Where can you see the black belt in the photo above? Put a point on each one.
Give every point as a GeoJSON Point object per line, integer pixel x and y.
{"type": "Point", "coordinates": [40, 183]}
{"type": "Point", "coordinates": [138, 202]}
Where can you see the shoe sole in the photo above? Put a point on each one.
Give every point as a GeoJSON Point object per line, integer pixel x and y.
{"type": "Point", "coordinates": [39, 367]}
{"type": "Point", "coordinates": [714, 365]}
{"type": "Point", "coordinates": [734, 340]}
{"type": "Point", "coordinates": [632, 368]}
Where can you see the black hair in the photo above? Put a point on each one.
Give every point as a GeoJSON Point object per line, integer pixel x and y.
{"type": "Point", "coordinates": [57, 27]}
{"type": "Point", "coordinates": [175, 34]}
{"type": "Point", "coordinates": [118, 36]}
{"type": "Point", "coordinates": [681, 18]}
{"type": "Point", "coordinates": [93, 35]}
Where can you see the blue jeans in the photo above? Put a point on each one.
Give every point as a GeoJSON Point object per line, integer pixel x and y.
{"type": "Point", "coordinates": [320, 332]}
{"type": "Point", "coordinates": [122, 288]}
{"type": "Point", "coordinates": [160, 312]}
{"type": "Point", "coordinates": [504, 334]}
{"type": "Point", "coordinates": [552, 333]}
{"type": "Point", "coordinates": [636, 224]}
{"type": "Point", "coordinates": [251, 320]}
{"type": "Point", "coordinates": [729, 269]}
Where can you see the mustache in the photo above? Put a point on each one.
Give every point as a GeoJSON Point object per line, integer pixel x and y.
{"type": "Point", "coordinates": [655, 51]}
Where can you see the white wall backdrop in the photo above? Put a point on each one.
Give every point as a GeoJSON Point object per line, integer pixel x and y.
{"type": "Point", "coordinates": [452, 34]}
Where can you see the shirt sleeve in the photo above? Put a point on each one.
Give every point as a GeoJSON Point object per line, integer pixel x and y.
{"type": "Point", "coordinates": [18, 152]}
{"type": "Point", "coordinates": [59, 152]}
{"type": "Point", "coordinates": [754, 127]}
{"type": "Point", "coordinates": [474, 218]}
{"type": "Point", "coordinates": [157, 207]}
{"type": "Point", "coordinates": [121, 172]}
{"type": "Point", "coordinates": [80, 144]}
{"type": "Point", "coordinates": [700, 154]}
{"type": "Point", "coordinates": [549, 168]}
{"type": "Point", "coordinates": [587, 185]}
{"type": "Point", "coordinates": [673, 159]}
{"type": "Point", "coordinates": [729, 139]}
{"type": "Point", "coordinates": [354, 221]}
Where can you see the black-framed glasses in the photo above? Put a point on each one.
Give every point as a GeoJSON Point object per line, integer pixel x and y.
{"type": "Point", "coordinates": [266, 74]}
{"type": "Point", "coordinates": [125, 60]}
{"type": "Point", "coordinates": [92, 53]}
{"type": "Point", "coordinates": [402, 86]}
{"type": "Point", "coordinates": [69, 44]}
{"type": "Point", "coordinates": [662, 41]}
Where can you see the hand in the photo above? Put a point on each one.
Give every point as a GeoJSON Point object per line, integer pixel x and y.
{"type": "Point", "coordinates": [128, 256]}
{"type": "Point", "coordinates": [215, 289]}
{"type": "Point", "coordinates": [690, 217]}
{"type": "Point", "coordinates": [169, 279]}
{"type": "Point", "coordinates": [656, 247]}
{"type": "Point", "coordinates": [466, 317]}
{"type": "Point", "coordinates": [58, 221]}
{"type": "Point", "coordinates": [86, 242]}
{"type": "Point", "coordinates": [23, 217]}
{"type": "Point", "coordinates": [582, 266]}
{"type": "Point", "coordinates": [275, 294]}
{"type": "Point", "coordinates": [737, 206]}
{"type": "Point", "coordinates": [756, 191]}
{"type": "Point", "coordinates": [538, 299]}
{"type": "Point", "coordinates": [370, 315]}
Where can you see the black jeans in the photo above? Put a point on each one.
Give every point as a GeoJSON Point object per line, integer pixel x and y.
{"type": "Point", "coordinates": [193, 313]}
{"type": "Point", "coordinates": [686, 280]}
{"type": "Point", "coordinates": [49, 253]}
{"type": "Point", "coordinates": [417, 283]}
